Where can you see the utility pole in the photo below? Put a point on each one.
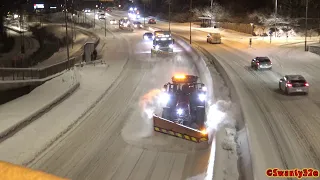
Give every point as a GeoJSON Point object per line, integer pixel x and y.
{"type": "Point", "coordinates": [169, 14]}
{"type": "Point", "coordinates": [190, 18]}
{"type": "Point", "coordinates": [94, 17]}
{"type": "Point", "coordinates": [65, 18]}
{"type": "Point", "coordinates": [275, 21]}
{"type": "Point", "coordinates": [306, 30]}
{"type": "Point", "coordinates": [144, 14]}
{"type": "Point", "coordinates": [105, 24]}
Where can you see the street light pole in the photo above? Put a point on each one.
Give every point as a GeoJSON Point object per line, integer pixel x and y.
{"type": "Point", "coordinates": [65, 18]}
{"type": "Point", "coordinates": [144, 14]}
{"type": "Point", "coordinates": [276, 14]}
{"type": "Point", "coordinates": [94, 17]}
{"type": "Point", "coordinates": [190, 18]}
{"type": "Point", "coordinates": [306, 30]}
{"type": "Point", "coordinates": [105, 24]}
{"type": "Point", "coordinates": [169, 14]}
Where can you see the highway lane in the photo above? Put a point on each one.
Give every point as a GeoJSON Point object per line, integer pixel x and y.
{"type": "Point", "coordinates": [283, 129]}
{"type": "Point", "coordinates": [114, 141]}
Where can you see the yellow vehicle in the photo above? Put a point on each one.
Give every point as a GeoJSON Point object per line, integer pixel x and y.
{"type": "Point", "coordinates": [184, 112]}
{"type": "Point", "coordinates": [10, 171]}
{"type": "Point", "coordinates": [214, 38]}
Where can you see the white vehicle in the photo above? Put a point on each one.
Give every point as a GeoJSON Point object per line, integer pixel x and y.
{"type": "Point", "coordinates": [102, 16]}
{"type": "Point", "coordinates": [214, 38]}
{"type": "Point", "coordinates": [113, 21]}
{"type": "Point", "coordinates": [294, 84]}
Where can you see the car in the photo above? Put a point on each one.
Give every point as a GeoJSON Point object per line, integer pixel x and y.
{"type": "Point", "coordinates": [99, 12]}
{"type": "Point", "coordinates": [137, 24]}
{"type": "Point", "coordinates": [148, 36]}
{"type": "Point", "coordinates": [108, 10]}
{"type": "Point", "coordinates": [102, 16]}
{"type": "Point", "coordinates": [214, 38]}
{"type": "Point", "coordinates": [152, 21]}
{"type": "Point", "coordinates": [260, 63]}
{"type": "Point", "coordinates": [113, 21]}
{"type": "Point", "coordinates": [293, 84]}
{"type": "Point", "coordinates": [87, 10]}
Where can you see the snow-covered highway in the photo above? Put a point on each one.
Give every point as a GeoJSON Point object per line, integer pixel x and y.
{"type": "Point", "coordinates": [109, 142]}
{"type": "Point", "coordinates": [283, 130]}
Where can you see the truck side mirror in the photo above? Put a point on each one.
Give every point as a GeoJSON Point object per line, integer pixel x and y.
{"type": "Point", "coordinates": [172, 41]}
{"type": "Point", "coordinates": [208, 36]}
{"type": "Point", "coordinates": [165, 87]}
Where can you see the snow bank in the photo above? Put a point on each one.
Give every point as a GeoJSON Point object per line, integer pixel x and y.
{"type": "Point", "coordinates": [23, 109]}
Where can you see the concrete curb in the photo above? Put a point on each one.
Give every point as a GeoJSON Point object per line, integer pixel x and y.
{"type": "Point", "coordinates": [33, 116]}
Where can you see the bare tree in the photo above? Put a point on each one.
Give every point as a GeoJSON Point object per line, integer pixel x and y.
{"type": "Point", "coordinates": [217, 12]}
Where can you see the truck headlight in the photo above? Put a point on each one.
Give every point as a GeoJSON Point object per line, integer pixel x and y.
{"type": "Point", "coordinates": [170, 45]}
{"type": "Point", "coordinates": [179, 111]}
{"type": "Point", "coordinates": [135, 25]}
{"type": "Point", "coordinates": [157, 47]}
{"type": "Point", "coordinates": [164, 98]}
{"type": "Point", "coordinates": [145, 37]}
{"type": "Point", "coordinates": [202, 97]}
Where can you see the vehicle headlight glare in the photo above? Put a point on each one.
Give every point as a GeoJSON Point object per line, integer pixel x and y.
{"type": "Point", "coordinates": [170, 45]}
{"type": "Point", "coordinates": [164, 98]}
{"type": "Point", "coordinates": [157, 47]}
{"type": "Point", "coordinates": [202, 97]}
{"type": "Point", "coordinates": [145, 37]}
{"type": "Point", "coordinates": [179, 111]}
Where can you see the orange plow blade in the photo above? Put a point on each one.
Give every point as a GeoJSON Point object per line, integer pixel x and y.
{"type": "Point", "coordinates": [10, 171]}
{"type": "Point", "coordinates": [178, 130]}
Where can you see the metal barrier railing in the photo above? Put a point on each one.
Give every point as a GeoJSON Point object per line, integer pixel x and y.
{"type": "Point", "coordinates": [9, 74]}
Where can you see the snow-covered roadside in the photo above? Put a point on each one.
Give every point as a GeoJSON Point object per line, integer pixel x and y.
{"type": "Point", "coordinates": [23, 109]}
{"type": "Point", "coordinates": [62, 118]}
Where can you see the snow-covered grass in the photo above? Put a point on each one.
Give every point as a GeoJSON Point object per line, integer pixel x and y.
{"type": "Point", "coordinates": [24, 108]}
{"type": "Point", "coordinates": [61, 118]}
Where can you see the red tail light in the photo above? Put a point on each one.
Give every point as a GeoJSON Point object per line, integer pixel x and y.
{"type": "Point", "coordinates": [306, 84]}
{"type": "Point", "coordinates": [270, 62]}
{"type": "Point", "coordinates": [289, 85]}
{"type": "Point", "coordinates": [258, 63]}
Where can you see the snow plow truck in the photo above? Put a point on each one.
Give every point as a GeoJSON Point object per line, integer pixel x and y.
{"type": "Point", "coordinates": [184, 112]}
{"type": "Point", "coordinates": [162, 43]}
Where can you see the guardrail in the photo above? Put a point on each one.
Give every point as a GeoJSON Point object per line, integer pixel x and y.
{"type": "Point", "coordinates": [314, 49]}
{"type": "Point", "coordinates": [9, 74]}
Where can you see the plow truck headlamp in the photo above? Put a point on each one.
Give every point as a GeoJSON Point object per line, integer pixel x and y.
{"type": "Point", "coordinates": [180, 111]}
{"type": "Point", "coordinates": [202, 97]}
{"type": "Point", "coordinates": [204, 88]}
{"type": "Point", "coordinates": [164, 98]}
{"type": "Point", "coordinates": [145, 37]}
{"type": "Point", "coordinates": [157, 47]}
{"type": "Point", "coordinates": [170, 45]}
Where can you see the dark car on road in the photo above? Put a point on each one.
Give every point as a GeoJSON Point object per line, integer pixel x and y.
{"type": "Point", "coordinates": [260, 63]}
{"type": "Point", "coordinates": [148, 36]}
{"type": "Point", "coordinates": [152, 21]}
{"type": "Point", "coordinates": [137, 24]}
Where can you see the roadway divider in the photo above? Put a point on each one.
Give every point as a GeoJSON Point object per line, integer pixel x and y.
{"type": "Point", "coordinates": [10, 74]}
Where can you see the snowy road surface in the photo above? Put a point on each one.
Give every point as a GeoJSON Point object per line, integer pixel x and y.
{"type": "Point", "coordinates": [283, 130]}
{"type": "Point", "coordinates": [113, 141]}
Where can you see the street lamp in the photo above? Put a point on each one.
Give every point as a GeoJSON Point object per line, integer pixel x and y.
{"type": "Point", "coordinates": [306, 30]}
{"type": "Point", "coordinates": [65, 19]}
{"type": "Point", "coordinates": [190, 18]}
{"type": "Point", "coordinates": [275, 21]}
{"type": "Point", "coordinates": [169, 14]}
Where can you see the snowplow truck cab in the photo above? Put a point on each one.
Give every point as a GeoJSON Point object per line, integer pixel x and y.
{"type": "Point", "coordinates": [184, 111]}
{"type": "Point", "coordinates": [162, 42]}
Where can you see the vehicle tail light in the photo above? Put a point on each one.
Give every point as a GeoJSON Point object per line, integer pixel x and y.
{"type": "Point", "coordinates": [270, 62]}
{"type": "Point", "coordinates": [289, 85]}
{"type": "Point", "coordinates": [306, 84]}
{"type": "Point", "coordinates": [258, 63]}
